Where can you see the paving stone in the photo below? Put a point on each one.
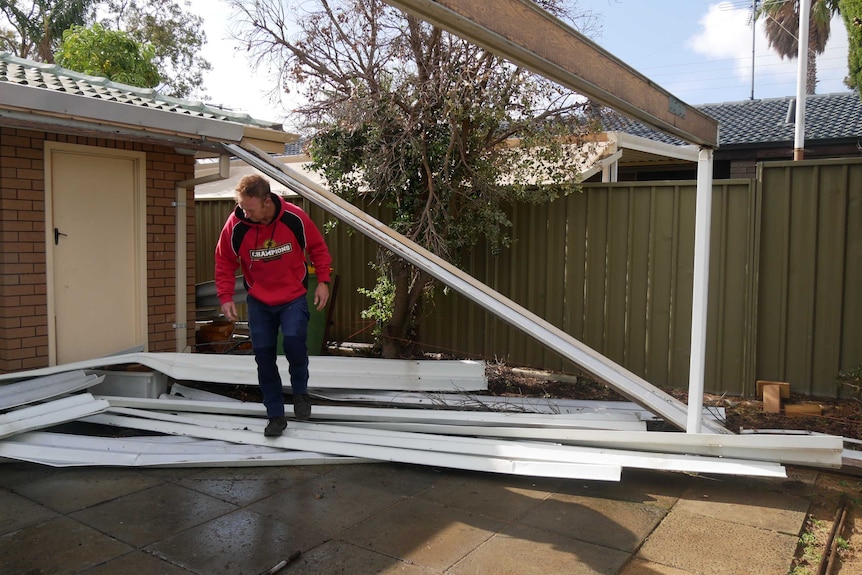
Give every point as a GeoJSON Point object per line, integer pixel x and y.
{"type": "Point", "coordinates": [19, 512]}
{"type": "Point", "coordinates": [497, 496]}
{"type": "Point", "coordinates": [641, 567]}
{"type": "Point", "coordinates": [424, 533]}
{"type": "Point", "coordinates": [245, 485]}
{"type": "Point", "coordinates": [71, 489]}
{"type": "Point", "coordinates": [137, 562]}
{"type": "Point", "coordinates": [703, 544]}
{"type": "Point", "coordinates": [239, 542]}
{"type": "Point", "coordinates": [153, 514]}
{"type": "Point", "coordinates": [637, 485]}
{"type": "Point", "coordinates": [342, 558]}
{"type": "Point", "coordinates": [342, 499]}
{"type": "Point", "coordinates": [60, 546]}
{"type": "Point", "coordinates": [728, 501]}
{"type": "Point", "coordinates": [522, 550]}
{"type": "Point", "coordinates": [608, 522]}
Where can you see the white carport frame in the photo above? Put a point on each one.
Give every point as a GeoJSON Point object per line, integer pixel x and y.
{"type": "Point", "coordinates": [530, 37]}
{"type": "Point", "coordinates": [625, 382]}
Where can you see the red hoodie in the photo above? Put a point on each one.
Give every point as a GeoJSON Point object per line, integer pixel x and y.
{"type": "Point", "coordinates": [272, 256]}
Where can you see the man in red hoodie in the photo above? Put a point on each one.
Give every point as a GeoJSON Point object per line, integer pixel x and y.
{"type": "Point", "coordinates": [268, 238]}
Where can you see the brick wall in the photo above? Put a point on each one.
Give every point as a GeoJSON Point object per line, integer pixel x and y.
{"type": "Point", "coordinates": [745, 169]}
{"type": "Point", "coordinates": [23, 283]}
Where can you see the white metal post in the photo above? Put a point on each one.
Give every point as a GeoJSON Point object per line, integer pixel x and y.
{"type": "Point", "coordinates": [702, 224]}
{"type": "Point", "coordinates": [801, 79]}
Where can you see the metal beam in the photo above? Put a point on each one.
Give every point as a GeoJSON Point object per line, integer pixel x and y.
{"type": "Point", "coordinates": [441, 445]}
{"type": "Point", "coordinates": [326, 371]}
{"type": "Point", "coordinates": [403, 454]}
{"type": "Point", "coordinates": [527, 35]}
{"type": "Point", "coordinates": [41, 388]}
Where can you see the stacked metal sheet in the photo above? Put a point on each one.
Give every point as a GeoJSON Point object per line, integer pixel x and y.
{"type": "Point", "coordinates": [431, 412]}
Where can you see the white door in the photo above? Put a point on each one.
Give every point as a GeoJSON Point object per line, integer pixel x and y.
{"type": "Point", "coordinates": [96, 251]}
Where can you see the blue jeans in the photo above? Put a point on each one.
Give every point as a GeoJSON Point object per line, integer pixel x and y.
{"type": "Point", "coordinates": [264, 322]}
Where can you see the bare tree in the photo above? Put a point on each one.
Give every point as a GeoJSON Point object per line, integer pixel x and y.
{"type": "Point", "coordinates": [404, 114]}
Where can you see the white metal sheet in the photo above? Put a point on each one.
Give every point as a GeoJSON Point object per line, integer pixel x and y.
{"type": "Point", "coordinates": [66, 450]}
{"type": "Point", "coordinates": [617, 421]}
{"type": "Point", "coordinates": [532, 450]}
{"type": "Point", "coordinates": [395, 454]}
{"type": "Point", "coordinates": [325, 371]}
{"type": "Point", "coordinates": [49, 414]}
{"type": "Point", "coordinates": [42, 388]}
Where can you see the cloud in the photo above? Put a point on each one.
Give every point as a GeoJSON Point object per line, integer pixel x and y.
{"type": "Point", "coordinates": [724, 34]}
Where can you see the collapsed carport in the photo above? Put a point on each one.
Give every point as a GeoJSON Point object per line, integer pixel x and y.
{"type": "Point", "coordinates": [225, 139]}
{"type": "Point", "coordinates": [562, 54]}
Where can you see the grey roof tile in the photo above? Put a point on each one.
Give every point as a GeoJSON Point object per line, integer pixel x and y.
{"type": "Point", "coordinates": [827, 117]}
{"type": "Point", "coordinates": [52, 77]}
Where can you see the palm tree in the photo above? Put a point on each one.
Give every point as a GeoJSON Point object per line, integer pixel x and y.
{"type": "Point", "coordinates": [782, 25]}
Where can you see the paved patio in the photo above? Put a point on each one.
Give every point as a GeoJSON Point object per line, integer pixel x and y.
{"type": "Point", "coordinates": [391, 518]}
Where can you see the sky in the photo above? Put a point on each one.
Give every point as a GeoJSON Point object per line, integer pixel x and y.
{"type": "Point", "coordinates": [701, 51]}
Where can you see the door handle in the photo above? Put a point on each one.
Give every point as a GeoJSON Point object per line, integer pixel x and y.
{"type": "Point", "coordinates": [57, 234]}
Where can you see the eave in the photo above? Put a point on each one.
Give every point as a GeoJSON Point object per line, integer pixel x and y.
{"type": "Point", "coordinates": [50, 110]}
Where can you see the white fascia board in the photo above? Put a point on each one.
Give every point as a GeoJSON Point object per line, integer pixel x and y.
{"type": "Point", "coordinates": [789, 452]}
{"type": "Point", "coordinates": [625, 382]}
{"type": "Point", "coordinates": [618, 421]}
{"type": "Point", "coordinates": [83, 452]}
{"type": "Point", "coordinates": [42, 388]}
{"type": "Point", "coordinates": [50, 414]}
{"type": "Point", "coordinates": [495, 402]}
{"type": "Point", "coordinates": [137, 444]}
{"type": "Point", "coordinates": [532, 450]}
{"type": "Point", "coordinates": [38, 101]}
{"type": "Point", "coordinates": [394, 454]}
{"type": "Point", "coordinates": [325, 371]}
{"type": "Point", "coordinates": [625, 141]}
{"type": "Point", "coordinates": [820, 450]}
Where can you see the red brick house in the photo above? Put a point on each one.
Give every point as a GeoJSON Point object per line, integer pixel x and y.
{"type": "Point", "coordinates": [97, 229]}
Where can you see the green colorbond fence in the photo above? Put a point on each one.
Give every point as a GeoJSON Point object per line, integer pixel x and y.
{"type": "Point", "coordinates": [612, 266]}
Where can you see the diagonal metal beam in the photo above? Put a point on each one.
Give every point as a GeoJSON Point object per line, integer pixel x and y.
{"type": "Point", "coordinates": [526, 35]}
{"type": "Point", "coordinates": [625, 382]}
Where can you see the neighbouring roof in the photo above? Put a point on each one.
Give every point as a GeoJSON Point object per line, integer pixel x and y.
{"type": "Point", "coordinates": [81, 89]}
{"type": "Point", "coordinates": [827, 117]}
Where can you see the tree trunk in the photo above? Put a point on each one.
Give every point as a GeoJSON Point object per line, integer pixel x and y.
{"type": "Point", "coordinates": [398, 339]}
{"type": "Point", "coordinates": [811, 72]}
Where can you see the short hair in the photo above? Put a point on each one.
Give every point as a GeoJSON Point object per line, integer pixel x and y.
{"type": "Point", "coordinates": [252, 186]}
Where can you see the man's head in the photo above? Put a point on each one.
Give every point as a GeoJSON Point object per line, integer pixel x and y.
{"type": "Point", "coordinates": [252, 186]}
{"type": "Point", "coordinates": [253, 197]}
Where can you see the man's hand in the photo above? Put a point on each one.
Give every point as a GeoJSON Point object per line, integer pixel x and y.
{"type": "Point", "coordinates": [229, 310]}
{"type": "Point", "coordinates": [321, 296]}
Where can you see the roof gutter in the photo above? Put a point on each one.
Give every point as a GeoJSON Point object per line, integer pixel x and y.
{"type": "Point", "coordinates": [104, 112]}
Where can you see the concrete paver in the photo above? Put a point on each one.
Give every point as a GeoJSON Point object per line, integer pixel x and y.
{"type": "Point", "coordinates": [168, 509]}
{"type": "Point", "coordinates": [424, 533]}
{"type": "Point", "coordinates": [523, 550]}
{"type": "Point", "coordinates": [701, 544]}
{"type": "Point", "coordinates": [358, 519]}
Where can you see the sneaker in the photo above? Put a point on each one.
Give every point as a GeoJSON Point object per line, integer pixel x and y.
{"type": "Point", "coordinates": [302, 407]}
{"type": "Point", "coordinates": [275, 426]}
